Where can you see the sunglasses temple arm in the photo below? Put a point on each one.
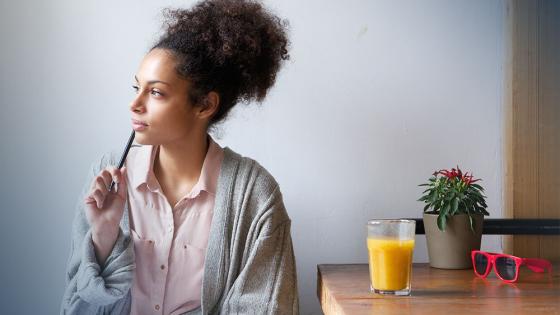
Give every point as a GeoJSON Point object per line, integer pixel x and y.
{"type": "Point", "coordinates": [538, 265]}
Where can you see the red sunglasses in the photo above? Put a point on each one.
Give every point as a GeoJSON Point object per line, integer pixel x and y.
{"type": "Point", "coordinates": [506, 267]}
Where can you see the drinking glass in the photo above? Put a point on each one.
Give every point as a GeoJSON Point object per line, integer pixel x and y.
{"type": "Point", "coordinates": [390, 245]}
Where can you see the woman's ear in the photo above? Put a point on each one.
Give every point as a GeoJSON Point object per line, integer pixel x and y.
{"type": "Point", "coordinates": [209, 105]}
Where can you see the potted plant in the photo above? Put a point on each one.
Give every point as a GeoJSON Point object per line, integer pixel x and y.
{"type": "Point", "coordinates": [453, 218]}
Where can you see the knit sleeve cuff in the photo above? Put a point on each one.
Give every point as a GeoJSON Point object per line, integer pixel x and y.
{"type": "Point", "coordinates": [105, 285]}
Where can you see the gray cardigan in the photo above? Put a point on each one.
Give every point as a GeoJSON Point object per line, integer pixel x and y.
{"type": "Point", "coordinates": [249, 268]}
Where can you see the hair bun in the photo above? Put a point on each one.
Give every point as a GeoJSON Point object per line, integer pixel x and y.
{"type": "Point", "coordinates": [233, 47]}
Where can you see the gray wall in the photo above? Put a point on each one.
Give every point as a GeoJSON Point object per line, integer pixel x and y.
{"type": "Point", "coordinates": [377, 95]}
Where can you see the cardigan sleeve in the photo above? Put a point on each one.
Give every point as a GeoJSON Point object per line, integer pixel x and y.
{"type": "Point", "coordinates": [92, 288]}
{"type": "Point", "coordinates": [267, 283]}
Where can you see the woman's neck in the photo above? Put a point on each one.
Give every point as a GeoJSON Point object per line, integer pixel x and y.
{"type": "Point", "coordinates": [179, 164]}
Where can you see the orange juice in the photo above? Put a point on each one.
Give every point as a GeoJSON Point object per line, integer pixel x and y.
{"type": "Point", "coordinates": [390, 263]}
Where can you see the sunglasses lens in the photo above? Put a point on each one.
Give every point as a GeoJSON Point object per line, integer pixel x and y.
{"type": "Point", "coordinates": [506, 268]}
{"type": "Point", "coordinates": [480, 263]}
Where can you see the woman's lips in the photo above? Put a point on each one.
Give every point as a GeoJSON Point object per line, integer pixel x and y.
{"type": "Point", "coordinates": [139, 125]}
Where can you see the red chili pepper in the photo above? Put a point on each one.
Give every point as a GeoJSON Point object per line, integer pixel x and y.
{"type": "Point", "coordinates": [457, 173]}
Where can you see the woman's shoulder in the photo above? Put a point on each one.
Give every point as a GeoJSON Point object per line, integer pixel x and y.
{"type": "Point", "coordinates": [255, 187]}
{"type": "Point", "coordinates": [247, 169]}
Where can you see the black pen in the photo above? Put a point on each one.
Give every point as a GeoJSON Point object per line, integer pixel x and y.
{"type": "Point", "coordinates": [123, 157]}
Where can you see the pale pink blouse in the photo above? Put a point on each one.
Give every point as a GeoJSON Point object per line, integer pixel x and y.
{"type": "Point", "coordinates": [169, 241]}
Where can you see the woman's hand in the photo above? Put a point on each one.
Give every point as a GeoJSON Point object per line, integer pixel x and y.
{"type": "Point", "coordinates": [104, 209]}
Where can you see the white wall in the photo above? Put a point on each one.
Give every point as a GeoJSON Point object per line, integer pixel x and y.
{"type": "Point", "coordinates": [377, 95]}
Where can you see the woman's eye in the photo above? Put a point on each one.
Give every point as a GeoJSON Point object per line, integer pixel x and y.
{"type": "Point", "coordinates": [153, 92]}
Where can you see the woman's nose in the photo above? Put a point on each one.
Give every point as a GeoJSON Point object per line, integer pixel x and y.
{"type": "Point", "coordinates": [136, 105]}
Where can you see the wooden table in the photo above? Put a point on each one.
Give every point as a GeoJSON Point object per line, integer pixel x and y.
{"type": "Point", "coordinates": [344, 289]}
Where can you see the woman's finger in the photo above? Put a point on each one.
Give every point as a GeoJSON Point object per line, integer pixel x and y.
{"type": "Point", "coordinates": [115, 175]}
{"type": "Point", "coordinates": [99, 181]}
{"type": "Point", "coordinates": [107, 177]}
{"type": "Point", "coordinates": [89, 200]}
{"type": "Point", "coordinates": [99, 197]}
{"type": "Point", "coordinates": [100, 185]}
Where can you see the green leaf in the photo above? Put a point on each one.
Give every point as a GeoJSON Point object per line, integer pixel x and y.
{"type": "Point", "coordinates": [445, 209]}
{"type": "Point", "coordinates": [477, 186]}
{"type": "Point", "coordinates": [472, 223]}
{"type": "Point", "coordinates": [441, 222]}
{"type": "Point", "coordinates": [426, 207]}
{"type": "Point", "coordinates": [477, 192]}
{"type": "Point", "coordinates": [465, 207]}
{"type": "Point", "coordinates": [433, 197]}
{"type": "Point", "coordinates": [454, 206]}
{"type": "Point", "coordinates": [477, 197]}
{"type": "Point", "coordinates": [450, 196]}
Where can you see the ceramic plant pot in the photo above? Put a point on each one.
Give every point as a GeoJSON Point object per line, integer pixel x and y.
{"type": "Point", "coordinates": [451, 249]}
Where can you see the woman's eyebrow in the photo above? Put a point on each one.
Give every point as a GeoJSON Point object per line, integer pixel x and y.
{"type": "Point", "coordinates": [153, 81]}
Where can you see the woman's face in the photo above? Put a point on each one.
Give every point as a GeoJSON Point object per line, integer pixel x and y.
{"type": "Point", "coordinates": [161, 111]}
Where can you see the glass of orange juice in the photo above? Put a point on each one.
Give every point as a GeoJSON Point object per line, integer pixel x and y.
{"type": "Point", "coordinates": [390, 244]}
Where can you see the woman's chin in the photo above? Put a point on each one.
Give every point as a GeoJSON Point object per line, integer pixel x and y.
{"type": "Point", "coordinates": [141, 139]}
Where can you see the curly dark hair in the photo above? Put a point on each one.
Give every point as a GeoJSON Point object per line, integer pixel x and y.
{"type": "Point", "coordinates": [232, 47]}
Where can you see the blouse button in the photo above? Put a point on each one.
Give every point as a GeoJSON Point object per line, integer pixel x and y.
{"type": "Point", "coordinates": [162, 267]}
{"type": "Point", "coordinates": [157, 307]}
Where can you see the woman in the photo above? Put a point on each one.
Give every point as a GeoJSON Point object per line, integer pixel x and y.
{"type": "Point", "coordinates": [191, 228]}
